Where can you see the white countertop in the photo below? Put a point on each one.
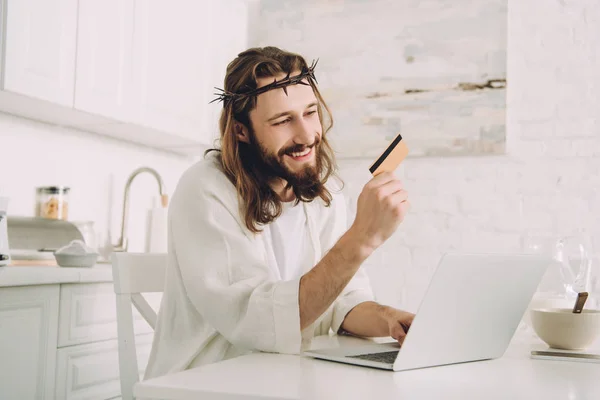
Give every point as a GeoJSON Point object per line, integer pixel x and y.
{"type": "Point", "coordinates": [274, 376]}
{"type": "Point", "coordinates": [46, 275]}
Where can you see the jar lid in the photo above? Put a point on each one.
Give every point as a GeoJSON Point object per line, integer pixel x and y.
{"type": "Point", "coordinates": [53, 189]}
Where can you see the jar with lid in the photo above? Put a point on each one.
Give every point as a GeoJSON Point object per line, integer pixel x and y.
{"type": "Point", "coordinates": [52, 202]}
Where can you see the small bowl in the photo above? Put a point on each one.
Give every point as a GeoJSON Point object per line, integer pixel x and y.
{"type": "Point", "coordinates": [560, 328]}
{"type": "Point", "coordinates": [76, 260]}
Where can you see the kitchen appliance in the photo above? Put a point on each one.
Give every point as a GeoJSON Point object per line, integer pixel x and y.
{"type": "Point", "coordinates": [33, 240]}
{"type": "Point", "coordinates": [4, 252]}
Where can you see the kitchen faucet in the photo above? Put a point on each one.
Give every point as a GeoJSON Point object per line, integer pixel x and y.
{"type": "Point", "coordinates": [164, 199]}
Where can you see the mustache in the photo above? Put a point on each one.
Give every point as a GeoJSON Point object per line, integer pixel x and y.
{"type": "Point", "coordinates": [297, 148]}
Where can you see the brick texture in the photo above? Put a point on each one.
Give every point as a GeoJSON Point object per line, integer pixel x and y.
{"type": "Point", "coordinates": [547, 183]}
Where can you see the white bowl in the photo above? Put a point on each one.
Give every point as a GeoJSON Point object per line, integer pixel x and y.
{"type": "Point", "coordinates": [560, 328]}
{"type": "Point", "coordinates": [75, 260]}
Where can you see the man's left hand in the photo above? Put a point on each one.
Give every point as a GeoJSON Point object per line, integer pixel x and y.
{"type": "Point", "coordinates": [399, 323]}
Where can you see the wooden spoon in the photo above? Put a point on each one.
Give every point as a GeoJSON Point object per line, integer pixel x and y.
{"type": "Point", "coordinates": [581, 299]}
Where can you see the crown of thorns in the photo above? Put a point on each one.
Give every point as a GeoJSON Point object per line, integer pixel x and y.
{"type": "Point", "coordinates": [306, 73]}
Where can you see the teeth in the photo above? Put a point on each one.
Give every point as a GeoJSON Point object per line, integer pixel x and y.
{"type": "Point", "coordinates": [303, 153]}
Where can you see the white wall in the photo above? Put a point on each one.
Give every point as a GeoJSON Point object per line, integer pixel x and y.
{"type": "Point", "coordinates": [547, 184]}
{"type": "Point", "coordinates": [93, 166]}
{"type": "Point", "coordinates": [413, 71]}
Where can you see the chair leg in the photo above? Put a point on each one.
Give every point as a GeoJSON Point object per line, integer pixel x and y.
{"type": "Point", "coordinates": [128, 367]}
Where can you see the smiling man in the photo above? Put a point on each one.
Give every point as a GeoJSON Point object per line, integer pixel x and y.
{"type": "Point", "coordinates": [261, 255]}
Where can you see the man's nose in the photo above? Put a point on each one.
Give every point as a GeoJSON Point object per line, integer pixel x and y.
{"type": "Point", "coordinates": [304, 133]}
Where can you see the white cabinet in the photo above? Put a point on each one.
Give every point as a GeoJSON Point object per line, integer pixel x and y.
{"type": "Point", "coordinates": [147, 63]}
{"type": "Point", "coordinates": [136, 70]}
{"type": "Point", "coordinates": [60, 341]}
{"type": "Point", "coordinates": [40, 49]}
{"type": "Point", "coordinates": [28, 331]}
{"type": "Point", "coordinates": [171, 63]}
{"type": "Point", "coordinates": [104, 48]}
{"type": "Point", "coordinates": [91, 371]}
{"type": "Point", "coordinates": [88, 313]}
{"type": "Point", "coordinates": [225, 47]}
{"type": "Point", "coordinates": [87, 363]}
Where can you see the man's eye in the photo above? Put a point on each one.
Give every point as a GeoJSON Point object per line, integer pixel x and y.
{"type": "Point", "coordinates": [282, 122]}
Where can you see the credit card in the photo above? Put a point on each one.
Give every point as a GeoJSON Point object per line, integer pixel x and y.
{"type": "Point", "coordinates": [389, 160]}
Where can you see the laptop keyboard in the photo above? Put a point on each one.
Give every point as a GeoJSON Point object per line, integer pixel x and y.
{"type": "Point", "coordinates": [388, 357]}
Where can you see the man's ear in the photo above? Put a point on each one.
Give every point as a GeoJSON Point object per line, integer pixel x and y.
{"type": "Point", "coordinates": [241, 131]}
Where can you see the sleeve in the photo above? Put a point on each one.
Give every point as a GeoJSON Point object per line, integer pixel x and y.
{"type": "Point", "coordinates": [227, 279]}
{"type": "Point", "coordinates": [358, 290]}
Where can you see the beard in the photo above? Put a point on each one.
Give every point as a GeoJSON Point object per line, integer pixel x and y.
{"type": "Point", "coordinates": [269, 166]}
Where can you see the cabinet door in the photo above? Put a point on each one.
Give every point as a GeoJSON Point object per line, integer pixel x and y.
{"type": "Point", "coordinates": [91, 371]}
{"type": "Point", "coordinates": [40, 49]}
{"type": "Point", "coordinates": [224, 48]}
{"type": "Point", "coordinates": [88, 313]}
{"type": "Point", "coordinates": [171, 65]}
{"type": "Point", "coordinates": [28, 328]}
{"type": "Point", "coordinates": [104, 49]}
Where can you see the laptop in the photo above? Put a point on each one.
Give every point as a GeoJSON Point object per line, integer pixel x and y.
{"type": "Point", "coordinates": [470, 312]}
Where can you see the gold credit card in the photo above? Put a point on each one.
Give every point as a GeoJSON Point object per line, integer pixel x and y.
{"type": "Point", "coordinates": [389, 160]}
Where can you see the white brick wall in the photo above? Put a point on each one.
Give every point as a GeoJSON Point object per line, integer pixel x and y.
{"type": "Point", "coordinates": [366, 69]}
{"type": "Point", "coordinates": [548, 183]}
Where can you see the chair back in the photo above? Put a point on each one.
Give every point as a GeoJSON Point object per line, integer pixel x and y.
{"type": "Point", "coordinates": [134, 274]}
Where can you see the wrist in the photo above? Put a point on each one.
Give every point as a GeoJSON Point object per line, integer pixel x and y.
{"type": "Point", "coordinates": [383, 317]}
{"type": "Point", "coordinates": [354, 248]}
{"type": "Point", "coordinates": [384, 313]}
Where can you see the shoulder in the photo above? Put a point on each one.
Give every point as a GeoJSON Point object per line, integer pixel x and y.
{"type": "Point", "coordinates": [204, 182]}
{"type": "Point", "coordinates": [204, 176]}
{"type": "Point", "coordinates": [206, 169]}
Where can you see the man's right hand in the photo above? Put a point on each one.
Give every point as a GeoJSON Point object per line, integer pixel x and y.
{"type": "Point", "coordinates": [381, 208]}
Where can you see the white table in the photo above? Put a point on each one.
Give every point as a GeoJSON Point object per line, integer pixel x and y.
{"type": "Point", "coordinates": [274, 376]}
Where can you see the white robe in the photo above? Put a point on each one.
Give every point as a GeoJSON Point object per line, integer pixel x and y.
{"type": "Point", "coordinates": [223, 294]}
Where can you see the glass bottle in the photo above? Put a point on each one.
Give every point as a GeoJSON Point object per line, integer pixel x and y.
{"type": "Point", "coordinates": [52, 202]}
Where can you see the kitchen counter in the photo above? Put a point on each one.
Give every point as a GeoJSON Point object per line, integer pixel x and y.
{"type": "Point", "coordinates": [45, 275]}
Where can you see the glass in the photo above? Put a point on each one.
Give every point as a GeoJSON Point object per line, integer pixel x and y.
{"type": "Point", "coordinates": [552, 283]}
{"type": "Point", "coordinates": [573, 255]}
{"type": "Point", "coordinates": [571, 269]}
{"type": "Point", "coordinates": [86, 228]}
{"type": "Point", "coordinates": [569, 272]}
{"type": "Point", "coordinates": [52, 202]}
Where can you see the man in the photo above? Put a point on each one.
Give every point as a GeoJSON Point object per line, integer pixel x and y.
{"type": "Point", "coordinates": [260, 253]}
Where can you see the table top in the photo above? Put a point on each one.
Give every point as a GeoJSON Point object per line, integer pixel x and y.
{"type": "Point", "coordinates": [276, 376]}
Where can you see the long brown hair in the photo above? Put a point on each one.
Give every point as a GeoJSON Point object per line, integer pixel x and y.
{"type": "Point", "coordinates": [259, 204]}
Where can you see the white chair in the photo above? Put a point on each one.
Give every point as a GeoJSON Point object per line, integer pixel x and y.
{"type": "Point", "coordinates": [134, 274]}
